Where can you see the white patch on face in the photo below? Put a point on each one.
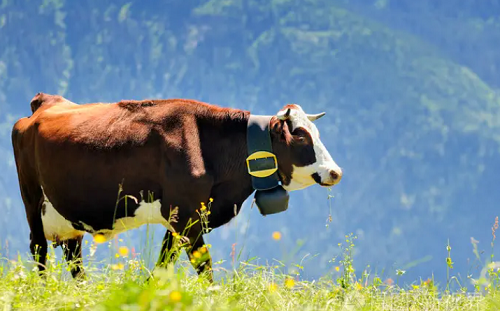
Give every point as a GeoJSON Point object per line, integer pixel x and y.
{"type": "Point", "coordinates": [302, 176]}
{"type": "Point", "coordinates": [56, 227]}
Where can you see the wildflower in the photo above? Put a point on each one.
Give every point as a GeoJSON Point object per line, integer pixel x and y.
{"type": "Point", "coordinates": [209, 212]}
{"type": "Point", "coordinates": [276, 235]}
{"type": "Point", "coordinates": [99, 238]}
{"type": "Point", "coordinates": [211, 200]}
{"type": "Point", "coordinates": [337, 268]}
{"type": "Point", "coordinates": [389, 281]}
{"type": "Point", "coordinates": [289, 282]}
{"type": "Point", "coordinates": [449, 262]}
{"type": "Point", "coordinates": [123, 250]}
{"type": "Point", "coordinates": [196, 254]}
{"type": "Point", "coordinates": [358, 286]}
{"type": "Point", "coordinates": [175, 296]}
{"type": "Point", "coordinates": [192, 260]}
{"type": "Point", "coordinates": [117, 255]}
{"type": "Point", "coordinates": [203, 250]}
{"type": "Point", "coordinates": [273, 287]}
{"type": "Point", "coordinates": [118, 266]}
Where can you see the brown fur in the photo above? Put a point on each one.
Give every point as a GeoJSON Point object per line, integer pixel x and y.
{"type": "Point", "coordinates": [47, 100]}
{"type": "Point", "coordinates": [183, 151]}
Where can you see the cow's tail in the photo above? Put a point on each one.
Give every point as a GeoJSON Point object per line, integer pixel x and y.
{"type": "Point", "coordinates": [32, 196]}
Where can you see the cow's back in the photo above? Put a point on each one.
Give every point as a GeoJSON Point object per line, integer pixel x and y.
{"type": "Point", "coordinates": [43, 100]}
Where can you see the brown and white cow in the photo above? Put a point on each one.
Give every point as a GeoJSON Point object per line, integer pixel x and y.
{"type": "Point", "coordinates": [71, 160]}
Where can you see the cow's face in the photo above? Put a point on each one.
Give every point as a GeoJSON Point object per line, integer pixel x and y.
{"type": "Point", "coordinates": [303, 159]}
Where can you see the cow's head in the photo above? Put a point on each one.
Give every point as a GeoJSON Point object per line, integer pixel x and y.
{"type": "Point", "coordinates": [302, 158]}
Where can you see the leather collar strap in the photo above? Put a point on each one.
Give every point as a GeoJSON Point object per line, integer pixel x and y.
{"type": "Point", "coordinates": [261, 162]}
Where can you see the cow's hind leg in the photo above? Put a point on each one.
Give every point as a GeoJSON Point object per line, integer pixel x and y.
{"type": "Point", "coordinates": [33, 200]}
{"type": "Point", "coordinates": [73, 253]}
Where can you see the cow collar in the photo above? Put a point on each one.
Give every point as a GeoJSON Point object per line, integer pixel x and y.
{"type": "Point", "coordinates": [262, 164]}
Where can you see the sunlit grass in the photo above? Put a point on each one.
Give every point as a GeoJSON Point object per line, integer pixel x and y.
{"type": "Point", "coordinates": [122, 284]}
{"type": "Point", "coordinates": [123, 281]}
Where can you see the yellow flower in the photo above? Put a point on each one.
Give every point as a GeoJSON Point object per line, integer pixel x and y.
{"type": "Point", "coordinates": [175, 296]}
{"type": "Point", "coordinates": [209, 212]}
{"type": "Point", "coordinates": [203, 207]}
{"type": "Point", "coordinates": [175, 234]}
{"type": "Point", "coordinates": [203, 250]}
{"type": "Point", "coordinates": [337, 268]}
{"type": "Point", "coordinates": [358, 286]}
{"type": "Point", "coordinates": [289, 283]}
{"type": "Point", "coordinates": [192, 260]}
{"type": "Point", "coordinates": [118, 266]}
{"type": "Point", "coordinates": [276, 235]}
{"type": "Point", "coordinates": [211, 199]}
{"type": "Point", "coordinates": [123, 250]}
{"type": "Point", "coordinates": [99, 238]}
{"type": "Point", "coordinates": [196, 254]}
{"type": "Point", "coordinates": [273, 287]}
{"type": "Point", "coordinates": [117, 255]}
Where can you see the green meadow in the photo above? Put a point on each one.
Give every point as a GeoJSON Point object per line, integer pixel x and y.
{"type": "Point", "coordinates": [123, 281]}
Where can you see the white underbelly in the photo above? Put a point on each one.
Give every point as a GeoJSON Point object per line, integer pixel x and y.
{"type": "Point", "coordinates": [57, 228]}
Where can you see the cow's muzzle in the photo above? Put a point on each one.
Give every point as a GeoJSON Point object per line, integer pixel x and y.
{"type": "Point", "coordinates": [329, 178]}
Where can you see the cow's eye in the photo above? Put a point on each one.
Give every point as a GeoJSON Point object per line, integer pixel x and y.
{"type": "Point", "coordinates": [300, 135]}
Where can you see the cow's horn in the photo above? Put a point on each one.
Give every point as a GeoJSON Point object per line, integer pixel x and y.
{"type": "Point", "coordinates": [284, 115]}
{"type": "Point", "coordinates": [314, 117]}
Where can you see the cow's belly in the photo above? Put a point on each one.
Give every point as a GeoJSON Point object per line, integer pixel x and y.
{"type": "Point", "coordinates": [57, 228]}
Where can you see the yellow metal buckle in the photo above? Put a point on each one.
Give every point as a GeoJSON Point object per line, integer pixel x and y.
{"type": "Point", "coordinates": [262, 155]}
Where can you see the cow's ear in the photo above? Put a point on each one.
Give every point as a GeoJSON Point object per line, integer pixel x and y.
{"type": "Point", "coordinates": [281, 130]}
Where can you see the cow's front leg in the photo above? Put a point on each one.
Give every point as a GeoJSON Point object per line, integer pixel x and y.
{"type": "Point", "coordinates": [199, 255]}
{"type": "Point", "coordinates": [169, 253]}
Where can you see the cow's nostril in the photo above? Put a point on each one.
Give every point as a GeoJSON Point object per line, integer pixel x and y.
{"type": "Point", "coordinates": [335, 175]}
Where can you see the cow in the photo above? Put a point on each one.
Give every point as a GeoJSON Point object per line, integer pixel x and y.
{"type": "Point", "coordinates": [169, 157]}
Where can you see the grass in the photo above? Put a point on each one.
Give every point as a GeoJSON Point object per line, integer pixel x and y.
{"type": "Point", "coordinates": [123, 281]}
{"type": "Point", "coordinates": [121, 284]}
